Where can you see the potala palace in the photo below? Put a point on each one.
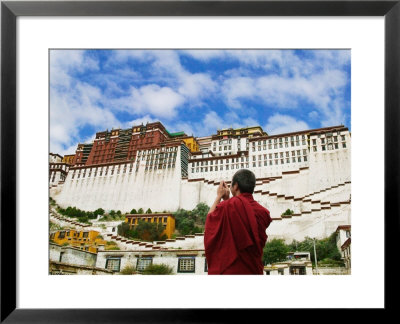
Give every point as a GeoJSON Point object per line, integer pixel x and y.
{"type": "Point", "coordinates": [148, 167]}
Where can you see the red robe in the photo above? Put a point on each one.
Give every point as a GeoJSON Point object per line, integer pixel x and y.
{"type": "Point", "coordinates": [235, 236]}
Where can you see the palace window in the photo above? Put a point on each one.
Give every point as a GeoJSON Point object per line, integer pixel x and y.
{"type": "Point", "coordinates": [143, 263]}
{"type": "Point", "coordinates": [113, 264]}
{"type": "Point", "coordinates": [186, 264]}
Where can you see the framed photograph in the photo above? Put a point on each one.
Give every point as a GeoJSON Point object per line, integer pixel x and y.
{"type": "Point", "coordinates": [174, 60]}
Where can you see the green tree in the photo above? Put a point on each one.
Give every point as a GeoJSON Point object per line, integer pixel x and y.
{"type": "Point", "coordinates": [200, 212]}
{"type": "Point", "coordinates": [149, 231]}
{"type": "Point", "coordinates": [275, 251]}
{"type": "Point", "coordinates": [99, 211]}
{"type": "Point", "coordinates": [124, 230]}
{"type": "Point", "coordinates": [148, 211]}
{"type": "Point", "coordinates": [133, 211]}
{"type": "Point", "coordinates": [326, 248]}
{"type": "Point", "coordinates": [157, 269]}
{"type": "Point", "coordinates": [140, 211]}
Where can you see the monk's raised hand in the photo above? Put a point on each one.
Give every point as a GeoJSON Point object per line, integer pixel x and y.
{"type": "Point", "coordinates": [221, 191]}
{"type": "Point", "coordinates": [227, 192]}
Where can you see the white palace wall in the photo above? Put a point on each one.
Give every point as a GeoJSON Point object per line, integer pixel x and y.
{"type": "Point", "coordinates": [278, 188]}
{"type": "Point", "coordinates": [158, 190]}
{"type": "Point", "coordinates": [165, 190]}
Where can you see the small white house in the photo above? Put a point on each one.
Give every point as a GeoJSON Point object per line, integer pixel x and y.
{"type": "Point", "coordinates": [343, 241]}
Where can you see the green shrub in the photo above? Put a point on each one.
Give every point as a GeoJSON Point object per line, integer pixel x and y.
{"type": "Point", "coordinates": [288, 212]}
{"type": "Point", "coordinates": [157, 269]}
{"type": "Point", "coordinates": [108, 248]}
{"type": "Point", "coordinates": [327, 262]}
{"type": "Point", "coordinates": [275, 251]}
{"type": "Point", "coordinates": [128, 270]}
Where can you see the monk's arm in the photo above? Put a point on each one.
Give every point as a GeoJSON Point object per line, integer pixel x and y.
{"type": "Point", "coordinates": [216, 202]}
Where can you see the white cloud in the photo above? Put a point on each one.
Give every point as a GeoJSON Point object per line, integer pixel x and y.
{"type": "Point", "coordinates": [165, 65]}
{"type": "Point", "coordinates": [195, 86]}
{"type": "Point", "coordinates": [138, 121]}
{"type": "Point", "coordinates": [279, 124]}
{"type": "Point", "coordinates": [237, 88]}
{"type": "Point", "coordinates": [159, 101]}
{"type": "Point", "coordinates": [63, 62]}
{"type": "Point", "coordinates": [313, 115]}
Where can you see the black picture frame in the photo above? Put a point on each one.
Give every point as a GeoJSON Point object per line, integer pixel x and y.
{"type": "Point", "coordinates": [10, 10]}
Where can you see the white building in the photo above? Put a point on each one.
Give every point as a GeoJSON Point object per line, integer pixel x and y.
{"type": "Point", "coordinates": [343, 241]}
{"type": "Point", "coordinates": [297, 263]}
{"type": "Point", "coordinates": [307, 172]}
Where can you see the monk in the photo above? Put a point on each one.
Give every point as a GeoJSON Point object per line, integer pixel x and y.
{"type": "Point", "coordinates": [234, 235]}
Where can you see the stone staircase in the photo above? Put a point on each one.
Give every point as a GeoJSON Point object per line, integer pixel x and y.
{"type": "Point", "coordinates": [187, 242]}
{"type": "Point", "coordinates": [66, 221]}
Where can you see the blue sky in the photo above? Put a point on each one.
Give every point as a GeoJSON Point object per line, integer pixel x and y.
{"type": "Point", "coordinates": [196, 91]}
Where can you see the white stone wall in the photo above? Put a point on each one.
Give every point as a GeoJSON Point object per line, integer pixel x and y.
{"type": "Point", "coordinates": [170, 258]}
{"type": "Point", "coordinates": [319, 224]}
{"type": "Point", "coordinates": [72, 256]}
{"type": "Point", "coordinates": [54, 252]}
{"type": "Point", "coordinates": [157, 189]}
{"type": "Point", "coordinates": [165, 190]}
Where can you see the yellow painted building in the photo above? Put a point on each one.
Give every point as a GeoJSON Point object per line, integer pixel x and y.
{"type": "Point", "coordinates": [192, 144]}
{"type": "Point", "coordinates": [84, 240]}
{"type": "Point", "coordinates": [69, 159]}
{"type": "Point", "coordinates": [167, 220]}
{"type": "Point", "coordinates": [242, 131]}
